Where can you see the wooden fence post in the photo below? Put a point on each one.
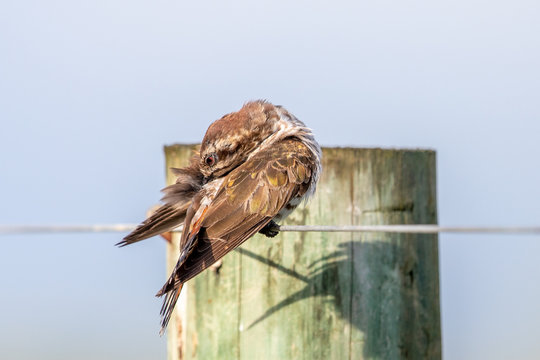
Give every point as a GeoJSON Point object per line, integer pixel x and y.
{"type": "Point", "coordinates": [325, 295]}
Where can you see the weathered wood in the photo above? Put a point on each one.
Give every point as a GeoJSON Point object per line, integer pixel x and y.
{"type": "Point", "coordinates": [199, 306]}
{"type": "Point", "coordinates": [177, 156]}
{"type": "Point", "coordinates": [328, 295]}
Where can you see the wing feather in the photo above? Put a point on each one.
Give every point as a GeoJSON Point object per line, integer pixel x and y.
{"type": "Point", "coordinates": [165, 218]}
{"type": "Point", "coordinates": [177, 198]}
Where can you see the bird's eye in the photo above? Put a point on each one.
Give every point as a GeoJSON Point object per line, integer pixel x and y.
{"type": "Point", "coordinates": [211, 159]}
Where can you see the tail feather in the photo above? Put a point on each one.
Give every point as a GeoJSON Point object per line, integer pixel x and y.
{"type": "Point", "coordinates": [168, 305]}
{"type": "Point", "coordinates": [173, 286]}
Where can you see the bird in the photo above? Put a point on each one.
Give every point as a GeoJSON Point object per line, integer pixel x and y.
{"type": "Point", "coordinates": [253, 168]}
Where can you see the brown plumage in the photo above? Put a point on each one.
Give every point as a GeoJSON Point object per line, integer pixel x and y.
{"type": "Point", "coordinates": [253, 168]}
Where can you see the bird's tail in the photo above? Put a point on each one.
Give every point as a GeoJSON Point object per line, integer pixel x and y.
{"type": "Point", "coordinates": [171, 290]}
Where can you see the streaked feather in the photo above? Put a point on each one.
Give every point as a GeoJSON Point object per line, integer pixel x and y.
{"type": "Point", "coordinates": [249, 202]}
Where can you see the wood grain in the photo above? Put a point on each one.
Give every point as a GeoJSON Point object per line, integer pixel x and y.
{"type": "Point", "coordinates": [327, 295]}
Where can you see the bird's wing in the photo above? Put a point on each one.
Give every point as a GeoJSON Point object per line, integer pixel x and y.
{"type": "Point", "coordinates": [164, 219]}
{"type": "Point", "coordinates": [177, 198]}
{"type": "Point", "coordinates": [246, 200]}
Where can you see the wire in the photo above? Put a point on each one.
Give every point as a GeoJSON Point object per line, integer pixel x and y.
{"type": "Point", "coordinates": [29, 229]}
{"type": "Point", "coordinates": [414, 229]}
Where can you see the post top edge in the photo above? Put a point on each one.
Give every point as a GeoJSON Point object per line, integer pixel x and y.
{"type": "Point", "coordinates": [350, 148]}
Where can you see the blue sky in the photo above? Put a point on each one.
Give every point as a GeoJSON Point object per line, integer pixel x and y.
{"type": "Point", "coordinates": [90, 91]}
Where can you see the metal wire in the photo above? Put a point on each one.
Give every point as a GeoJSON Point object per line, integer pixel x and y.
{"type": "Point", "coordinates": [415, 229]}
{"type": "Point", "coordinates": [30, 229]}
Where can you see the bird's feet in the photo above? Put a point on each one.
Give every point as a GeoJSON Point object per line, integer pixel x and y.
{"type": "Point", "coordinates": [270, 230]}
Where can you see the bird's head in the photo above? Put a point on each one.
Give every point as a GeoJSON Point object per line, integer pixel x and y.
{"type": "Point", "coordinates": [230, 140]}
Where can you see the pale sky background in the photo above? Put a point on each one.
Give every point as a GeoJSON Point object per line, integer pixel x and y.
{"type": "Point", "coordinates": [90, 91]}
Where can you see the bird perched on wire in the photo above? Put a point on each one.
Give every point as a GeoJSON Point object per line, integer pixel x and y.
{"type": "Point", "coordinates": [254, 167]}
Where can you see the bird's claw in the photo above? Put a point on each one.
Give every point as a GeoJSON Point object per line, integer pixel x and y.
{"type": "Point", "coordinates": [270, 230]}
